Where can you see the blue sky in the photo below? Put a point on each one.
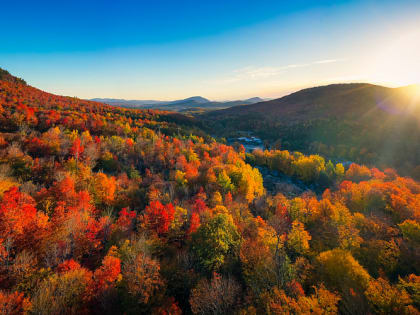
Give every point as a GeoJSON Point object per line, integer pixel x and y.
{"type": "Point", "coordinates": [217, 49]}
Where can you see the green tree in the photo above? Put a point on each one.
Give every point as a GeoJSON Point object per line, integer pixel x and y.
{"type": "Point", "coordinates": [340, 270]}
{"type": "Point", "coordinates": [225, 182]}
{"type": "Point", "coordinates": [411, 231]}
{"type": "Point", "coordinates": [298, 239]}
{"type": "Point", "coordinates": [214, 241]}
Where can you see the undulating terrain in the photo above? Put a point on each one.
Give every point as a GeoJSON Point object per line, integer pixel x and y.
{"type": "Point", "coordinates": [108, 210]}
{"type": "Point", "coordinates": [195, 103]}
{"type": "Point", "coordinates": [362, 123]}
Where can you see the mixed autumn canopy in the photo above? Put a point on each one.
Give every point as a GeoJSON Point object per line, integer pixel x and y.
{"type": "Point", "coordinates": [111, 210]}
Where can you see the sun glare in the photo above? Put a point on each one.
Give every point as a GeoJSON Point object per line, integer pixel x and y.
{"type": "Point", "coordinates": [414, 91]}
{"type": "Point", "coordinates": [397, 63]}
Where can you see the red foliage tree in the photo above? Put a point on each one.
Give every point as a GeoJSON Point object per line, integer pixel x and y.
{"type": "Point", "coordinates": [125, 219]}
{"type": "Point", "coordinates": [158, 217]}
{"type": "Point", "coordinates": [19, 219]}
{"type": "Point", "coordinates": [105, 276]}
{"type": "Point", "coordinates": [77, 148]}
{"type": "Point", "coordinates": [194, 223]}
{"type": "Point", "coordinates": [14, 303]}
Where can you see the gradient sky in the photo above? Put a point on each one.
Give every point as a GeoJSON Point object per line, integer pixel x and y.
{"type": "Point", "coordinates": [217, 49]}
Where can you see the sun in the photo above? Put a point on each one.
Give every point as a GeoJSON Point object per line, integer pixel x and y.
{"type": "Point", "coordinates": [414, 91]}
{"type": "Point", "coordinates": [396, 63]}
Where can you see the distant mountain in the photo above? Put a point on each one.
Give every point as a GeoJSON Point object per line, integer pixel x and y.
{"type": "Point", "coordinates": [336, 100]}
{"type": "Point", "coordinates": [194, 99]}
{"type": "Point", "coordinates": [178, 105]}
{"type": "Point", "coordinates": [360, 122]}
{"type": "Point", "coordinates": [254, 100]}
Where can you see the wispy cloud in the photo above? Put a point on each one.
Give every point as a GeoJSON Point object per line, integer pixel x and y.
{"type": "Point", "coordinates": [326, 61]}
{"type": "Point", "coordinates": [254, 72]}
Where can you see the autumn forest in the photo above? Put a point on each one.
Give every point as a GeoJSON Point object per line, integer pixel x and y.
{"type": "Point", "coordinates": [107, 210]}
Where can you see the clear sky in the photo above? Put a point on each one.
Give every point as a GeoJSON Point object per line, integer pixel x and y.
{"type": "Point", "coordinates": [217, 49]}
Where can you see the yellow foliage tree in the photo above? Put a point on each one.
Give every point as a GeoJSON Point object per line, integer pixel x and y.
{"type": "Point", "coordinates": [104, 188]}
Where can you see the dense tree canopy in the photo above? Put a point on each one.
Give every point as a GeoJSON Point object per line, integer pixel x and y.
{"type": "Point", "coordinates": [124, 211]}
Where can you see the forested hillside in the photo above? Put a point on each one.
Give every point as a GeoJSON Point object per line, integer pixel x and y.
{"type": "Point", "coordinates": [106, 210]}
{"type": "Point", "coordinates": [363, 123]}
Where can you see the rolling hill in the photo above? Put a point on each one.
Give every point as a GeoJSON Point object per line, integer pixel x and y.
{"type": "Point", "coordinates": [337, 100]}
{"type": "Point", "coordinates": [195, 102]}
{"type": "Point", "coordinates": [359, 122]}
{"type": "Point", "coordinates": [72, 112]}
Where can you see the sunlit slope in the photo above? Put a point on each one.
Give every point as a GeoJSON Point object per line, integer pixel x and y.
{"type": "Point", "coordinates": [360, 122]}
{"type": "Point", "coordinates": [358, 100]}
{"type": "Point", "coordinates": [22, 106]}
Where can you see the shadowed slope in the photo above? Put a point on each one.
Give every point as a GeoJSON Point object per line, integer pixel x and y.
{"type": "Point", "coordinates": [360, 122]}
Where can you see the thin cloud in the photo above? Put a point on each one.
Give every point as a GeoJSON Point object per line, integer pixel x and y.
{"type": "Point", "coordinates": [257, 72]}
{"type": "Point", "coordinates": [326, 61]}
{"type": "Point", "coordinates": [254, 72]}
